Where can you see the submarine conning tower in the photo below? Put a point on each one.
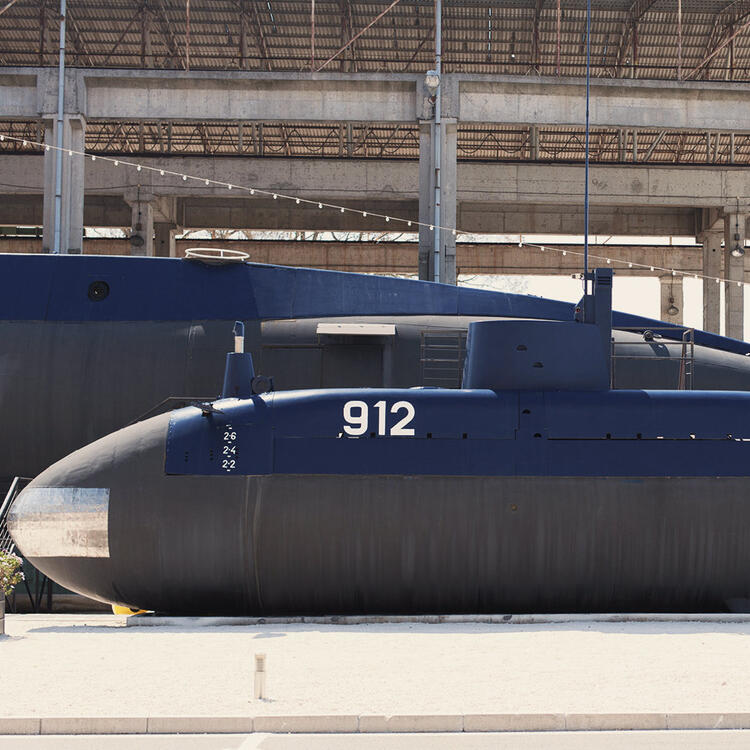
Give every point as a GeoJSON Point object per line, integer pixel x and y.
{"type": "Point", "coordinates": [534, 355]}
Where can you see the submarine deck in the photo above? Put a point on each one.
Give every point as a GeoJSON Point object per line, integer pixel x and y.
{"type": "Point", "coordinates": [92, 665]}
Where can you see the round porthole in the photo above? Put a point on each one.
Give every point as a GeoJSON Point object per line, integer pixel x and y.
{"type": "Point", "coordinates": [98, 290]}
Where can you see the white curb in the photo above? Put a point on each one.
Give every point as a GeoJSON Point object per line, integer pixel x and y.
{"type": "Point", "coordinates": [370, 724]}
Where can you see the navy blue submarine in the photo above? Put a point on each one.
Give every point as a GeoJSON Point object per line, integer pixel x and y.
{"type": "Point", "coordinates": [91, 344]}
{"type": "Point", "coordinates": [533, 488]}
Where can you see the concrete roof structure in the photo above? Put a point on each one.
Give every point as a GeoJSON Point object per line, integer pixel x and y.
{"type": "Point", "coordinates": [642, 39]}
{"type": "Point", "coordinates": [326, 100]}
{"type": "Point", "coordinates": [630, 38]}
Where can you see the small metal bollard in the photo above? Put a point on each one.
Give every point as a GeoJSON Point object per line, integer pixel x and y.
{"type": "Point", "coordinates": [260, 676]}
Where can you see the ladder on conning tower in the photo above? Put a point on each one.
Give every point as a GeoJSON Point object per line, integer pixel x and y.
{"type": "Point", "coordinates": [442, 355]}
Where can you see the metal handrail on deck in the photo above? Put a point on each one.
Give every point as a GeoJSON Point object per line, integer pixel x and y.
{"type": "Point", "coordinates": [687, 351]}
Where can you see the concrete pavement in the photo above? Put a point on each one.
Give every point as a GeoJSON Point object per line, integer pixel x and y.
{"type": "Point", "coordinates": [669, 740]}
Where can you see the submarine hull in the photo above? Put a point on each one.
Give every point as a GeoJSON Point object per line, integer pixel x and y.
{"type": "Point", "coordinates": [310, 544]}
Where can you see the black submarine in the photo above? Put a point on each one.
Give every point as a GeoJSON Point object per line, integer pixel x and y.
{"type": "Point", "coordinates": [91, 344]}
{"type": "Point", "coordinates": [536, 487]}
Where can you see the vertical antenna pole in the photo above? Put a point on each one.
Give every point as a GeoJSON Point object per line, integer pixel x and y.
{"type": "Point", "coordinates": [60, 118]}
{"type": "Point", "coordinates": [187, 34]}
{"type": "Point", "coordinates": [586, 170]}
{"type": "Point", "coordinates": [679, 40]}
{"type": "Point", "coordinates": [438, 139]}
{"type": "Point", "coordinates": [558, 36]}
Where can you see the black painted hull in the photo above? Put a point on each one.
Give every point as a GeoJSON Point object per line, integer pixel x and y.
{"type": "Point", "coordinates": [109, 378]}
{"type": "Point", "coordinates": [305, 545]}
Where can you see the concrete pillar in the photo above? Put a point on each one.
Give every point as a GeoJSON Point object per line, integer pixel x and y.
{"type": "Point", "coordinates": [71, 204]}
{"type": "Point", "coordinates": [734, 272]}
{"type": "Point", "coordinates": [447, 202]}
{"type": "Point", "coordinates": [164, 239]}
{"type": "Point", "coordinates": [142, 224]}
{"type": "Point", "coordinates": [671, 298]}
{"type": "Point", "coordinates": [712, 257]}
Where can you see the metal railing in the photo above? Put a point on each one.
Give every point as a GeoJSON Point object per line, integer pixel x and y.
{"type": "Point", "coordinates": [42, 586]}
{"type": "Point", "coordinates": [6, 540]}
{"type": "Point", "coordinates": [651, 337]}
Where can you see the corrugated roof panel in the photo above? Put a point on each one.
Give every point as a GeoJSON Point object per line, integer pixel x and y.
{"type": "Point", "coordinates": [480, 36]}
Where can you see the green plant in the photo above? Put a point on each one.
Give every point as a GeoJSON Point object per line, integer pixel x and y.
{"type": "Point", "coordinates": [10, 572]}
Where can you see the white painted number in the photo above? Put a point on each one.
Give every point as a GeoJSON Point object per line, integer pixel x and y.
{"type": "Point", "coordinates": [357, 423]}
{"type": "Point", "coordinates": [229, 449]}
{"type": "Point", "coordinates": [380, 406]}
{"type": "Point", "coordinates": [356, 416]}
{"type": "Point", "coordinates": [400, 428]}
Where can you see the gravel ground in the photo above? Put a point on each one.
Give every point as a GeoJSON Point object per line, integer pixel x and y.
{"type": "Point", "coordinates": [76, 665]}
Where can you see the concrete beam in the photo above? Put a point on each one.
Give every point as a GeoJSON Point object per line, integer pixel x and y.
{"type": "Point", "coordinates": [492, 198]}
{"type": "Point", "coordinates": [616, 185]}
{"type": "Point", "coordinates": [401, 257]}
{"type": "Point", "coordinates": [370, 179]}
{"type": "Point", "coordinates": [563, 218]}
{"type": "Point", "coordinates": [18, 95]}
{"type": "Point", "coordinates": [98, 210]}
{"type": "Point", "coordinates": [378, 97]}
{"type": "Point", "coordinates": [617, 103]}
{"type": "Point", "coordinates": [228, 95]}
{"type": "Point", "coordinates": [247, 213]}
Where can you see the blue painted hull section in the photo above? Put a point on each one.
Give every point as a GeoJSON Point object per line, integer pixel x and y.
{"type": "Point", "coordinates": [54, 288]}
{"type": "Point", "coordinates": [470, 433]}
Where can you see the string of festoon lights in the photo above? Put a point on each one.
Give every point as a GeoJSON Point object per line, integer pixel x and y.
{"type": "Point", "coordinates": [632, 264]}
{"type": "Point", "coordinates": [298, 200]}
